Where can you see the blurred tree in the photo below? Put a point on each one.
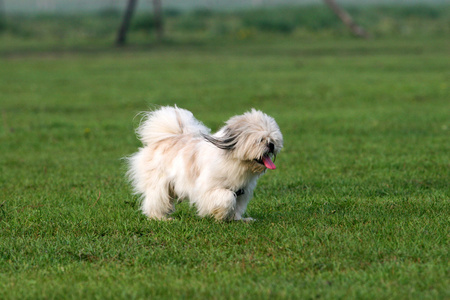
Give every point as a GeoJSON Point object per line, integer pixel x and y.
{"type": "Point", "coordinates": [122, 33]}
{"type": "Point", "coordinates": [2, 16]}
{"type": "Point", "coordinates": [129, 11]}
{"type": "Point", "coordinates": [347, 19]}
{"type": "Point", "coordinates": [157, 17]}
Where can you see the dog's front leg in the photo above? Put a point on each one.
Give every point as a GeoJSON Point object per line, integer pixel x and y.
{"type": "Point", "coordinates": [219, 203]}
{"type": "Point", "coordinates": [242, 201]}
{"type": "Point", "coordinates": [241, 206]}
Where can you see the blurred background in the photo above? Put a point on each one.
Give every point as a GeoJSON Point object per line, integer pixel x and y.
{"type": "Point", "coordinates": [62, 24]}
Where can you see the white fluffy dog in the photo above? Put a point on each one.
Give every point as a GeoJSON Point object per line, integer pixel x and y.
{"type": "Point", "coordinates": [180, 159]}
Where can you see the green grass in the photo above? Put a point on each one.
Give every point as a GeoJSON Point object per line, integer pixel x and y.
{"type": "Point", "coordinates": [357, 208]}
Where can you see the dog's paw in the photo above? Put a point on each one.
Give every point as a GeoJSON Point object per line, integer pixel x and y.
{"type": "Point", "coordinates": [161, 218]}
{"type": "Point", "coordinates": [247, 220]}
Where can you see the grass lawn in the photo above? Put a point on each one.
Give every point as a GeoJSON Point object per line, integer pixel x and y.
{"type": "Point", "coordinates": [357, 208]}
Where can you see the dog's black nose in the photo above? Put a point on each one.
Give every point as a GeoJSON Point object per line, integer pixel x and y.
{"type": "Point", "coordinates": [271, 147]}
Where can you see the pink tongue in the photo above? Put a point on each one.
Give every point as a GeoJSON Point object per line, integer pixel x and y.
{"type": "Point", "coordinates": [268, 162]}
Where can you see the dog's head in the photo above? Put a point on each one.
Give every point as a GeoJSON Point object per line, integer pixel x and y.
{"type": "Point", "coordinates": [253, 138]}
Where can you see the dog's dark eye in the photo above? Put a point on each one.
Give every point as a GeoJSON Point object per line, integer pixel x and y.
{"type": "Point", "coordinates": [271, 147]}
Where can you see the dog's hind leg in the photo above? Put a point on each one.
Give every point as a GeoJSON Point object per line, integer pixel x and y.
{"type": "Point", "coordinates": [157, 202]}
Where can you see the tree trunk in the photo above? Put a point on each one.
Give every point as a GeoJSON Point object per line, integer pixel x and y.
{"type": "Point", "coordinates": [2, 16]}
{"type": "Point", "coordinates": [122, 33]}
{"type": "Point", "coordinates": [347, 19]}
{"type": "Point", "coordinates": [157, 15]}
{"type": "Point", "coordinates": [2, 10]}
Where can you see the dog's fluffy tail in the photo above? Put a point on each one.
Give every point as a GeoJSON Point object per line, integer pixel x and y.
{"type": "Point", "coordinates": [167, 122]}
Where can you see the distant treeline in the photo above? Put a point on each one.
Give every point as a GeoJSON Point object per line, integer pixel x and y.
{"type": "Point", "coordinates": [65, 6]}
{"type": "Point", "coordinates": [243, 24]}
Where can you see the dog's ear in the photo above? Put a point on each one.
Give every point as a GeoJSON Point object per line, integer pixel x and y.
{"type": "Point", "coordinates": [226, 142]}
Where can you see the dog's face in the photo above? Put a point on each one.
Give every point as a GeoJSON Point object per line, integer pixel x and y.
{"type": "Point", "coordinates": [253, 138]}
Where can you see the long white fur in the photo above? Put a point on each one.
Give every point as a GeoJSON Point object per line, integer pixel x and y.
{"type": "Point", "coordinates": [177, 162]}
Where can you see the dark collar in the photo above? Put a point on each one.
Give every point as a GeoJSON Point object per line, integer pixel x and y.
{"type": "Point", "coordinates": [239, 192]}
